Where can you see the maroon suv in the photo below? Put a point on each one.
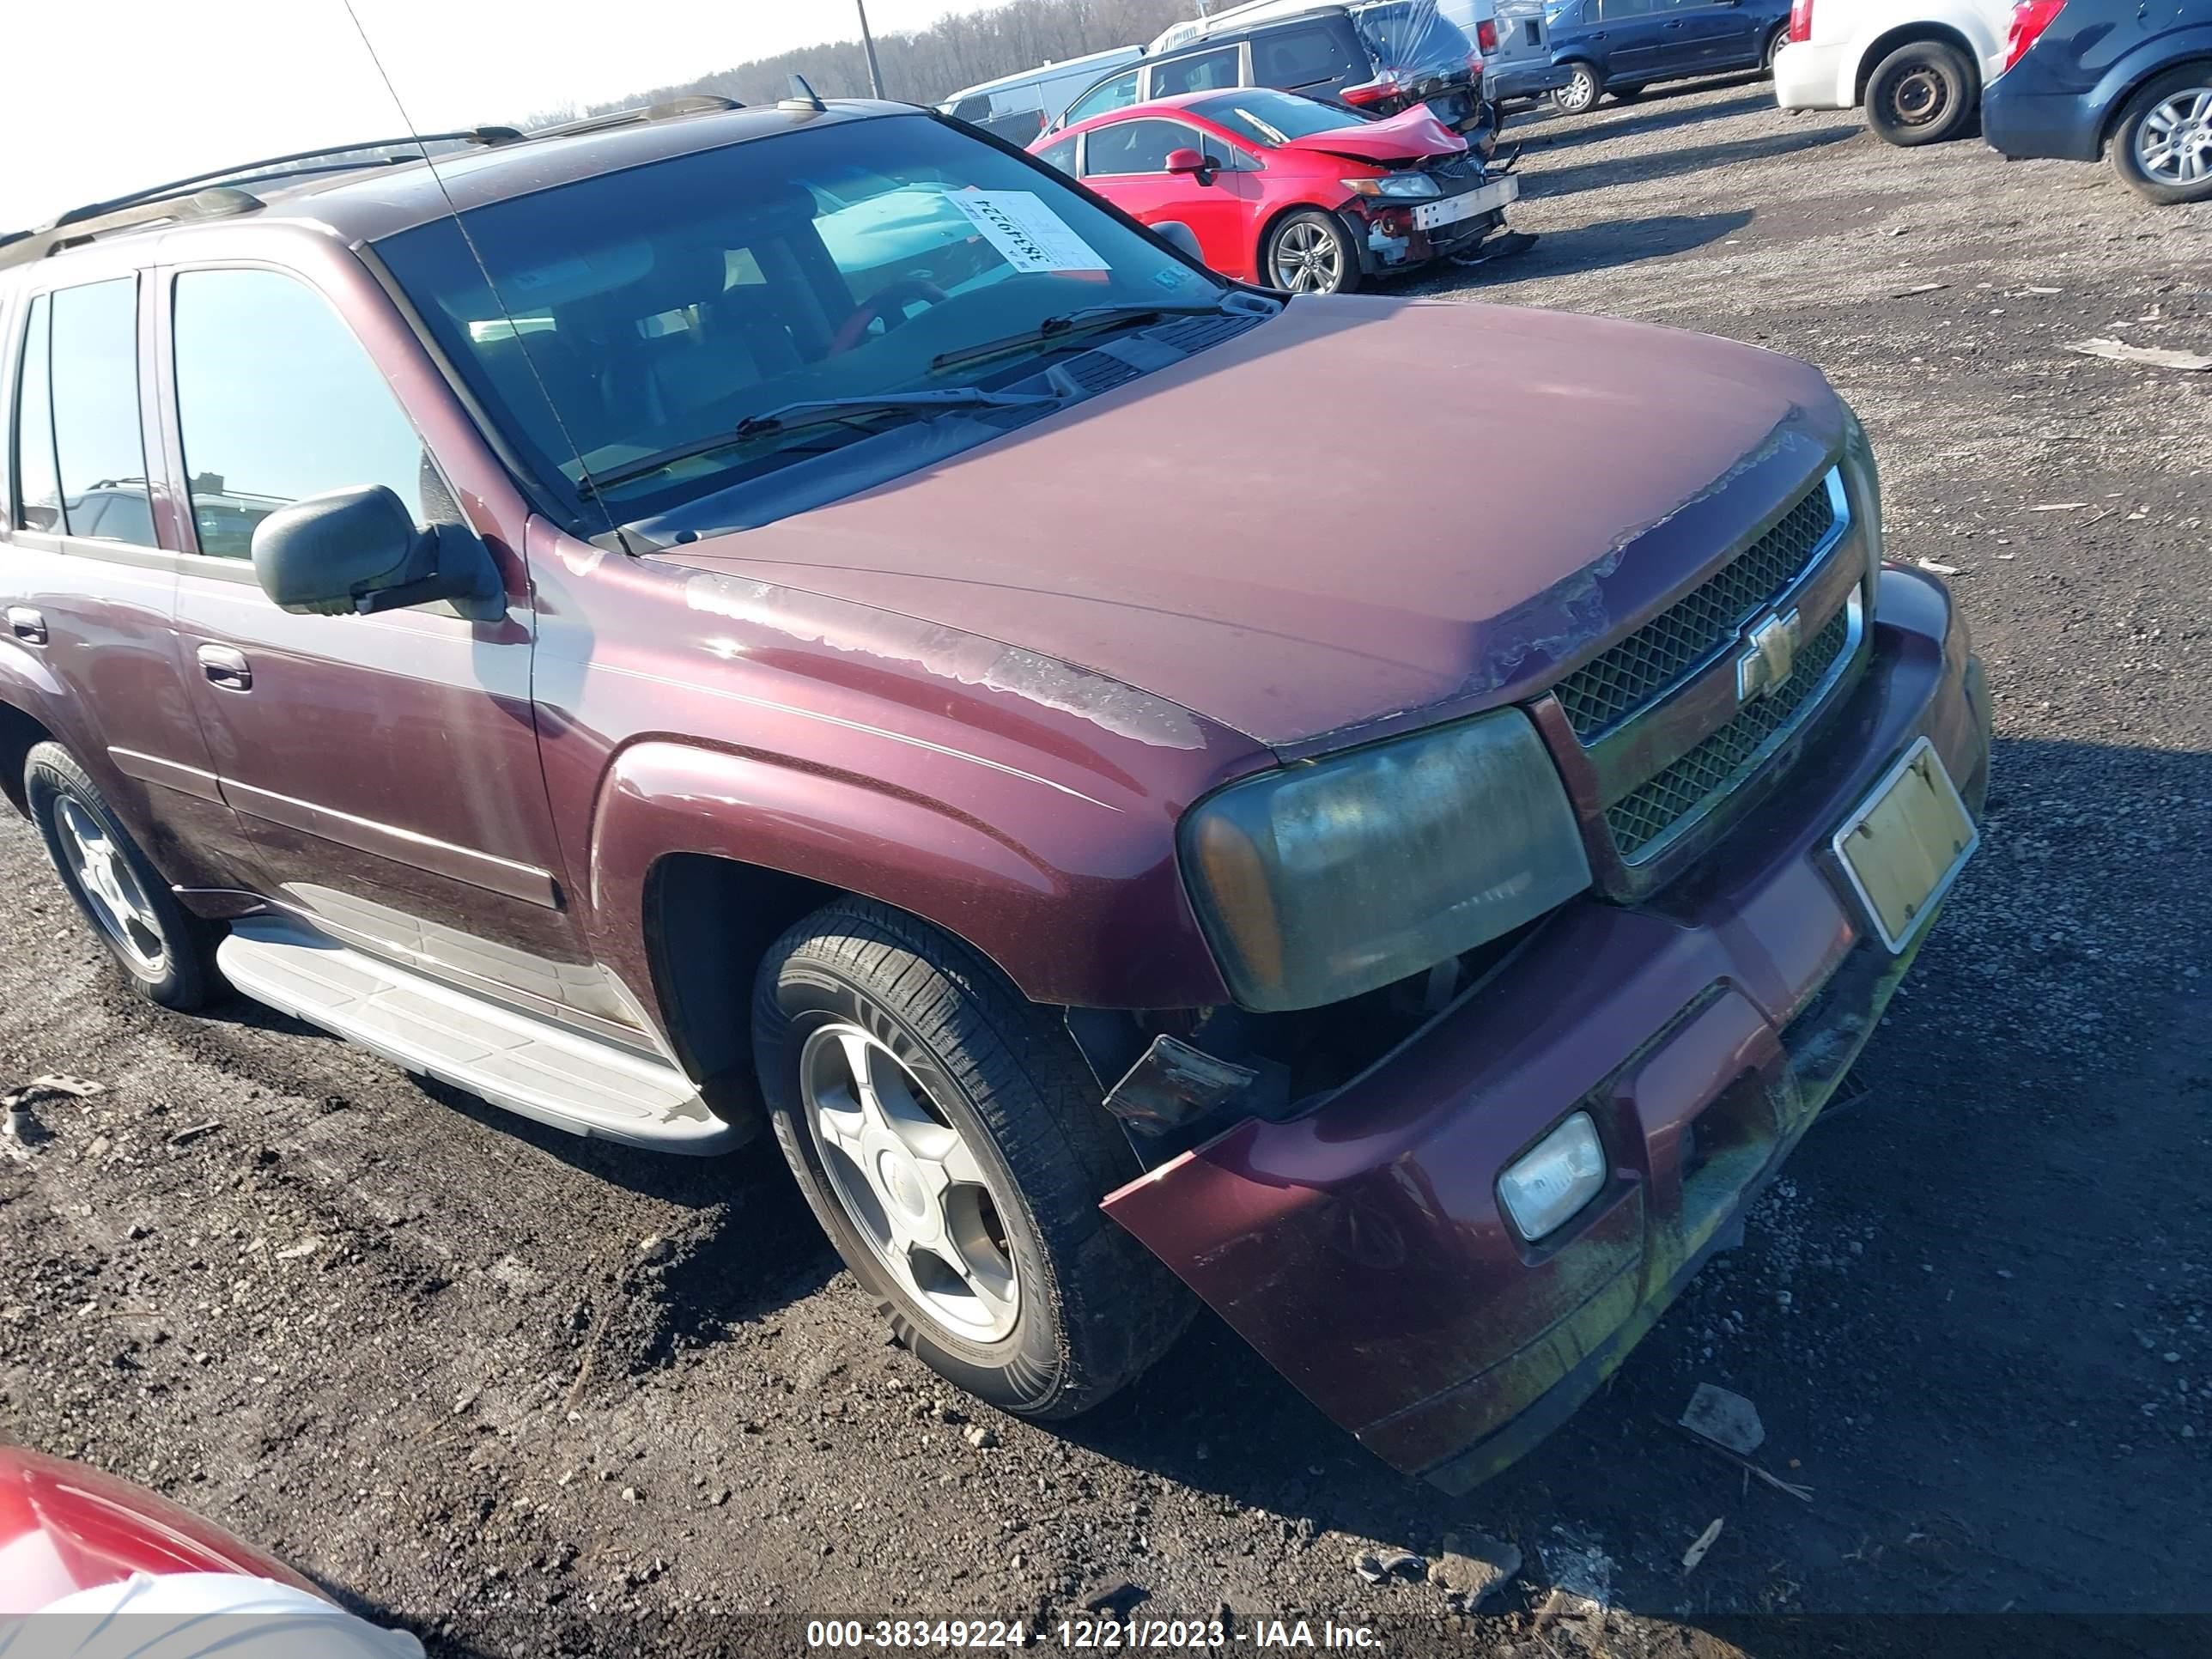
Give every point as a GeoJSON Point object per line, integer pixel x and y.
{"type": "Point", "coordinates": [801, 616]}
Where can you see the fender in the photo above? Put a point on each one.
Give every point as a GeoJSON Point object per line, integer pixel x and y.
{"type": "Point", "coordinates": [2152, 57]}
{"type": "Point", "coordinates": [1100, 920]}
{"type": "Point", "coordinates": [29, 688]}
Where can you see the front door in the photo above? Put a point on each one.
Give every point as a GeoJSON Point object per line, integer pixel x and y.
{"type": "Point", "coordinates": [1127, 162]}
{"type": "Point", "coordinates": [1636, 45]}
{"type": "Point", "coordinates": [386, 767]}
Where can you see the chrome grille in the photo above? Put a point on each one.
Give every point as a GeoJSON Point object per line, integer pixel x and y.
{"type": "Point", "coordinates": [1642, 817]}
{"type": "Point", "coordinates": [1615, 684]}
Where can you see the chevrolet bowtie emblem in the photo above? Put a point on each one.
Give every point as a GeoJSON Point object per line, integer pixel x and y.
{"type": "Point", "coordinates": [1769, 652]}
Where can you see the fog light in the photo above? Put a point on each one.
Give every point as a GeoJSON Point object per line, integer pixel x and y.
{"type": "Point", "coordinates": [1555, 1178]}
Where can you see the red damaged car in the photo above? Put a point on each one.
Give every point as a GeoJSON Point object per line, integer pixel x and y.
{"type": "Point", "coordinates": [1287, 191]}
{"type": "Point", "coordinates": [802, 623]}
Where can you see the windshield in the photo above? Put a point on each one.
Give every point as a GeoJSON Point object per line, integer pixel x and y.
{"type": "Point", "coordinates": [643, 311]}
{"type": "Point", "coordinates": [1274, 118]}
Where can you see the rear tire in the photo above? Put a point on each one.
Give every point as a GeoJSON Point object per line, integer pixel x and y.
{"type": "Point", "coordinates": [979, 1235]}
{"type": "Point", "coordinates": [1775, 42]}
{"type": "Point", "coordinates": [1923, 93]}
{"type": "Point", "coordinates": [1310, 251]}
{"type": "Point", "coordinates": [165, 951]}
{"type": "Point", "coordinates": [2162, 143]}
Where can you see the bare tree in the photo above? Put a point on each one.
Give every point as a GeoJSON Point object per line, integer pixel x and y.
{"type": "Point", "coordinates": [959, 50]}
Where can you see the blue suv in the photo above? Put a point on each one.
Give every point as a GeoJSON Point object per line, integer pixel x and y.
{"type": "Point", "coordinates": [1620, 47]}
{"type": "Point", "coordinates": [2133, 75]}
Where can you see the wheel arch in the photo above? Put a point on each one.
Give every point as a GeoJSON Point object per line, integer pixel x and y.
{"type": "Point", "coordinates": [1906, 34]}
{"type": "Point", "coordinates": [1273, 222]}
{"type": "Point", "coordinates": [2133, 73]}
{"type": "Point", "coordinates": [20, 733]}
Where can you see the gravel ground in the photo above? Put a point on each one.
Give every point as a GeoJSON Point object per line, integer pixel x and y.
{"type": "Point", "coordinates": [522, 1392]}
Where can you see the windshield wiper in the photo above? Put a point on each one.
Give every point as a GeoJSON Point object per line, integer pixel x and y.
{"type": "Point", "coordinates": [1074, 322]}
{"type": "Point", "coordinates": [814, 412]}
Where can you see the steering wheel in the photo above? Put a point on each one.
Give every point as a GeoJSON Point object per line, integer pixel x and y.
{"type": "Point", "coordinates": [886, 305]}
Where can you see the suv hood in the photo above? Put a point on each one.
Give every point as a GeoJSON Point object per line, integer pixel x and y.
{"type": "Point", "coordinates": [1361, 515]}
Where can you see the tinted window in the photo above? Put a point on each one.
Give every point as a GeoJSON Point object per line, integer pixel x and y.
{"type": "Point", "coordinates": [1060, 155]}
{"type": "Point", "coordinates": [277, 402]}
{"type": "Point", "coordinates": [99, 448]}
{"type": "Point", "coordinates": [1611, 11]}
{"type": "Point", "coordinates": [1269, 118]}
{"type": "Point", "coordinates": [1202, 72]}
{"type": "Point", "coordinates": [1119, 92]}
{"type": "Point", "coordinates": [1304, 56]}
{"type": "Point", "coordinates": [38, 487]}
{"type": "Point", "coordinates": [1135, 147]}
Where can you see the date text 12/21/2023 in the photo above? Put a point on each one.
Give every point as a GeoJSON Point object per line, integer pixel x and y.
{"type": "Point", "coordinates": [1096, 1634]}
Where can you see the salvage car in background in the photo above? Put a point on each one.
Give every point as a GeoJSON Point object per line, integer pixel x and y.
{"type": "Point", "coordinates": [2079, 76]}
{"type": "Point", "coordinates": [1520, 67]}
{"type": "Point", "coordinates": [1918, 66]}
{"type": "Point", "coordinates": [1288, 192]}
{"type": "Point", "coordinates": [1018, 108]}
{"type": "Point", "coordinates": [1320, 52]}
{"type": "Point", "coordinates": [1618, 47]}
{"type": "Point", "coordinates": [939, 699]}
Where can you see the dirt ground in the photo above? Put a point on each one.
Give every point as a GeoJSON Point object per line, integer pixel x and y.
{"type": "Point", "coordinates": [525, 1393]}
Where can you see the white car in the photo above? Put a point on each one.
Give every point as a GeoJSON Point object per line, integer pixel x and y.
{"type": "Point", "coordinates": [1918, 66]}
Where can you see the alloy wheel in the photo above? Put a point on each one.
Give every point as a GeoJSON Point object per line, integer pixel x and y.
{"type": "Point", "coordinates": [1308, 260]}
{"type": "Point", "coordinates": [2174, 141]}
{"type": "Point", "coordinates": [911, 1184]}
{"type": "Point", "coordinates": [1579, 94]}
{"type": "Point", "coordinates": [111, 889]}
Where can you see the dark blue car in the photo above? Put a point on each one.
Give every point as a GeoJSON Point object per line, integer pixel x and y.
{"type": "Point", "coordinates": [1620, 47]}
{"type": "Point", "coordinates": [2132, 75]}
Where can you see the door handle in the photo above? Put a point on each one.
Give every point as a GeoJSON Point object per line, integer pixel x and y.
{"type": "Point", "coordinates": [1670, 26]}
{"type": "Point", "coordinates": [226, 668]}
{"type": "Point", "coordinates": [26, 624]}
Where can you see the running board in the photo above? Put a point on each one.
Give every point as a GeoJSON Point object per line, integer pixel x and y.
{"type": "Point", "coordinates": [558, 1077]}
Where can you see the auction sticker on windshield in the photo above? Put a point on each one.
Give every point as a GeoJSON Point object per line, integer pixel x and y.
{"type": "Point", "coordinates": [1030, 235]}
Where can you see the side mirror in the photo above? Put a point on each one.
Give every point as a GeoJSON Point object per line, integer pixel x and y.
{"type": "Point", "coordinates": [1181, 238]}
{"type": "Point", "coordinates": [1196, 164]}
{"type": "Point", "coordinates": [359, 550]}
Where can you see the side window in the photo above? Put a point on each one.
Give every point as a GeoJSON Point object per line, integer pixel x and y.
{"type": "Point", "coordinates": [1119, 92]}
{"type": "Point", "coordinates": [1302, 55]}
{"type": "Point", "coordinates": [1060, 155]}
{"type": "Point", "coordinates": [37, 484]}
{"type": "Point", "coordinates": [100, 447]}
{"type": "Point", "coordinates": [278, 401]}
{"type": "Point", "coordinates": [1134, 147]}
{"type": "Point", "coordinates": [1202, 72]}
{"type": "Point", "coordinates": [1612, 11]}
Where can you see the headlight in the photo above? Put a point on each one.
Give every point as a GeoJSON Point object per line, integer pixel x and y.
{"type": "Point", "coordinates": [1400, 186]}
{"type": "Point", "coordinates": [1863, 482]}
{"type": "Point", "coordinates": [1326, 879]}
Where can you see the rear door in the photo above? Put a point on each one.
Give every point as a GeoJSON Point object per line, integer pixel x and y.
{"type": "Point", "coordinates": [1710, 35]}
{"type": "Point", "coordinates": [386, 767]}
{"type": "Point", "coordinates": [1632, 46]}
{"type": "Point", "coordinates": [86, 585]}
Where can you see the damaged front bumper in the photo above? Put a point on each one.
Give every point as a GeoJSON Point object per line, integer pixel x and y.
{"type": "Point", "coordinates": [1398, 235]}
{"type": "Point", "coordinates": [1360, 1247]}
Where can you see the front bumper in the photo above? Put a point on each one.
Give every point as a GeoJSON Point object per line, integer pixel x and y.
{"type": "Point", "coordinates": [1360, 1247]}
{"type": "Point", "coordinates": [1391, 239]}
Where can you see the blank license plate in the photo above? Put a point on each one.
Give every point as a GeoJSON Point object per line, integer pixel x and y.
{"type": "Point", "coordinates": [1452, 209]}
{"type": "Point", "coordinates": [1906, 844]}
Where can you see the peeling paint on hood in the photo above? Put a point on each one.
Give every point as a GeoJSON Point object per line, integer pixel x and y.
{"type": "Point", "coordinates": [1362, 515]}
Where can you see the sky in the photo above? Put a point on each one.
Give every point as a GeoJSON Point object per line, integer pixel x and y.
{"type": "Point", "coordinates": [104, 96]}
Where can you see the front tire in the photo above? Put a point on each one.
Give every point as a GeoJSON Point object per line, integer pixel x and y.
{"type": "Point", "coordinates": [166, 953]}
{"type": "Point", "coordinates": [949, 1137]}
{"type": "Point", "coordinates": [1311, 252]}
{"type": "Point", "coordinates": [1923, 93]}
{"type": "Point", "coordinates": [1580, 93]}
{"type": "Point", "coordinates": [2162, 144]}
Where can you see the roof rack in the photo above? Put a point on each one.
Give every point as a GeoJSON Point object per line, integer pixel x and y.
{"type": "Point", "coordinates": [701, 103]}
{"type": "Point", "coordinates": [218, 193]}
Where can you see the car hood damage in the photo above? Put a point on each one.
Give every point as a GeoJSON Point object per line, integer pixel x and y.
{"type": "Point", "coordinates": [1411, 135]}
{"type": "Point", "coordinates": [1362, 516]}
